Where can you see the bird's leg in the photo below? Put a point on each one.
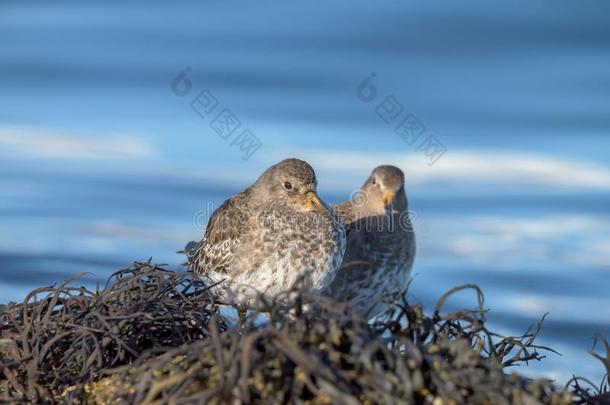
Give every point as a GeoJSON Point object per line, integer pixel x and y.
{"type": "Point", "coordinates": [242, 313]}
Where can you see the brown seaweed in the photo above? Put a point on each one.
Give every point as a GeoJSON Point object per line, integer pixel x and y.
{"type": "Point", "coordinates": [157, 336]}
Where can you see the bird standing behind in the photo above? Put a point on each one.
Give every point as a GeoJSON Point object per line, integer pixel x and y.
{"type": "Point", "coordinates": [380, 244]}
{"type": "Point", "coordinates": [271, 235]}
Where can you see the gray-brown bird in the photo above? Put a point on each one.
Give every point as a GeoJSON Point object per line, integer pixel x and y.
{"type": "Point", "coordinates": [380, 244]}
{"type": "Point", "coordinates": [271, 235]}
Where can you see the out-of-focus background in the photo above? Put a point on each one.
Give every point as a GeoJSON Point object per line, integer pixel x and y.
{"type": "Point", "coordinates": [498, 113]}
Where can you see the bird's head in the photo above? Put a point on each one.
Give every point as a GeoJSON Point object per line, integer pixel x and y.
{"type": "Point", "coordinates": [291, 183]}
{"type": "Point", "coordinates": [384, 191]}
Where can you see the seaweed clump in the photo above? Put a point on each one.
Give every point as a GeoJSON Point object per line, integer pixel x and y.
{"type": "Point", "coordinates": [65, 336]}
{"type": "Point", "coordinates": [587, 392]}
{"type": "Point", "coordinates": [155, 336]}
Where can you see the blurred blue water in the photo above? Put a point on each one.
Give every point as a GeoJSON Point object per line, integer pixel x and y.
{"type": "Point", "coordinates": [102, 164]}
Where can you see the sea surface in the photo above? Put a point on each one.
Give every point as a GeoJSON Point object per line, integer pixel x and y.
{"type": "Point", "coordinates": [111, 150]}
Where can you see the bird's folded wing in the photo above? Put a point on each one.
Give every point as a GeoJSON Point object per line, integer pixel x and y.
{"type": "Point", "coordinates": [226, 227]}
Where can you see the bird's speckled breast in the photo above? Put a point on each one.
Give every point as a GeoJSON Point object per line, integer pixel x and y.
{"type": "Point", "coordinates": [377, 263]}
{"type": "Point", "coordinates": [286, 249]}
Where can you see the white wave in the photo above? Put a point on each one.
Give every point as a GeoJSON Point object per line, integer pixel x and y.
{"type": "Point", "coordinates": [36, 143]}
{"type": "Point", "coordinates": [340, 170]}
{"type": "Point", "coordinates": [547, 226]}
{"type": "Point", "coordinates": [116, 230]}
{"type": "Point", "coordinates": [473, 166]}
{"type": "Point", "coordinates": [561, 308]}
{"type": "Point", "coordinates": [579, 240]}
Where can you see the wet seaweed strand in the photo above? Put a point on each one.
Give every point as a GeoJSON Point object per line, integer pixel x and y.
{"type": "Point", "coordinates": [157, 336]}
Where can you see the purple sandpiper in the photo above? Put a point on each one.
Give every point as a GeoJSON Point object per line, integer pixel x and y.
{"type": "Point", "coordinates": [266, 239]}
{"type": "Point", "coordinates": [380, 244]}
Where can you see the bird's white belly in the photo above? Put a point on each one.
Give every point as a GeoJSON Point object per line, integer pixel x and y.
{"type": "Point", "coordinates": [279, 273]}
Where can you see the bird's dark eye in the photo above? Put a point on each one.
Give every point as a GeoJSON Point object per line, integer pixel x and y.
{"type": "Point", "coordinates": [288, 185]}
{"type": "Point", "coordinates": [374, 180]}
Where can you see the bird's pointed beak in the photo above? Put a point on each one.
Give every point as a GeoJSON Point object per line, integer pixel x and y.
{"type": "Point", "coordinates": [388, 200]}
{"type": "Point", "coordinates": [313, 202]}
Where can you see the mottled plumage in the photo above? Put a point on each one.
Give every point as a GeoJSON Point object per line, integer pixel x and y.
{"type": "Point", "coordinates": [266, 238]}
{"type": "Point", "coordinates": [381, 244]}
